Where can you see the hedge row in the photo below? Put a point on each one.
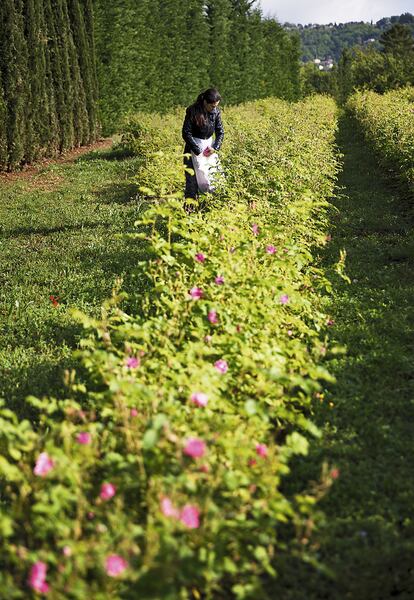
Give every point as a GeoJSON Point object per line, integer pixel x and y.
{"type": "Point", "coordinates": [388, 124]}
{"type": "Point", "coordinates": [48, 84]}
{"type": "Point", "coordinates": [160, 475]}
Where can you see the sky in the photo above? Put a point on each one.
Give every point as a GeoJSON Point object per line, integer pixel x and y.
{"type": "Point", "coordinates": [329, 11]}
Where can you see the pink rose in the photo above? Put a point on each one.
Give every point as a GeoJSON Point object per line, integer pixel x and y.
{"type": "Point", "coordinates": [108, 491]}
{"type": "Point", "coordinates": [200, 257]}
{"type": "Point", "coordinates": [168, 509]}
{"type": "Point", "coordinates": [84, 438]}
{"type": "Point", "coordinates": [195, 448]}
{"type": "Point", "coordinates": [190, 516]}
{"type": "Point", "coordinates": [196, 293]}
{"type": "Point", "coordinates": [270, 249]}
{"type": "Point", "coordinates": [115, 565]}
{"type": "Point", "coordinates": [44, 464]}
{"type": "Point", "coordinates": [37, 577]}
{"type": "Point", "coordinates": [219, 280]}
{"type": "Point", "coordinates": [284, 299]}
{"type": "Point", "coordinates": [133, 412]}
{"type": "Point", "coordinates": [212, 317]}
{"type": "Point", "coordinates": [132, 362]}
{"type": "Point", "coordinates": [261, 450]}
{"type": "Point", "coordinates": [199, 398]}
{"type": "Point", "coordinates": [221, 366]}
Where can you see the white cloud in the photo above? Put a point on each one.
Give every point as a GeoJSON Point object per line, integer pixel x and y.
{"type": "Point", "coordinates": [329, 11]}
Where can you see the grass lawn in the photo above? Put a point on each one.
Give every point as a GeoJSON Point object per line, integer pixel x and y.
{"type": "Point", "coordinates": [57, 238]}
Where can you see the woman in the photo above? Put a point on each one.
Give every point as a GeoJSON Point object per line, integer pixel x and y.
{"type": "Point", "coordinates": [202, 119]}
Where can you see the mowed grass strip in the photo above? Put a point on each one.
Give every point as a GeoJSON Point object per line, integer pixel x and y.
{"type": "Point", "coordinates": [58, 250]}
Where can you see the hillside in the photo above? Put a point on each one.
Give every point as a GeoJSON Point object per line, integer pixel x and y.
{"type": "Point", "coordinates": [328, 41]}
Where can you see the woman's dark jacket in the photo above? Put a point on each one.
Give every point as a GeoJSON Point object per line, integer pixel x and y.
{"type": "Point", "coordinates": [191, 130]}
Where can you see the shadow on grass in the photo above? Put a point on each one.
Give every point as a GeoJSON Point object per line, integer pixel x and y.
{"type": "Point", "coordinates": [117, 152]}
{"type": "Point", "coordinates": [119, 193]}
{"type": "Point", "coordinates": [28, 231]}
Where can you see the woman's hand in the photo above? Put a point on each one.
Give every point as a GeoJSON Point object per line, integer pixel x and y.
{"type": "Point", "coordinates": [208, 151]}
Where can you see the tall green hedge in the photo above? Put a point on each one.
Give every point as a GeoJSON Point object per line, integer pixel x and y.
{"type": "Point", "coordinates": [48, 89]}
{"type": "Point", "coordinates": [153, 55]}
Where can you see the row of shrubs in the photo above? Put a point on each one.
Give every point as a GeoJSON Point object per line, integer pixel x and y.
{"type": "Point", "coordinates": [160, 475]}
{"type": "Point", "coordinates": [388, 124]}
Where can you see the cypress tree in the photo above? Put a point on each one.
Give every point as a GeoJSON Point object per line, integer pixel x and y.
{"type": "Point", "coordinates": [218, 17]}
{"type": "Point", "coordinates": [38, 105]}
{"type": "Point", "coordinates": [197, 52]}
{"type": "Point", "coordinates": [82, 75]}
{"type": "Point", "coordinates": [12, 66]}
{"type": "Point", "coordinates": [60, 69]}
{"type": "Point", "coordinates": [3, 131]}
{"type": "Point", "coordinates": [88, 16]}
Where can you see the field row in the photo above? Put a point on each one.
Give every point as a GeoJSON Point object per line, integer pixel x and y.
{"type": "Point", "coordinates": [160, 475]}
{"type": "Point", "coordinates": [388, 124]}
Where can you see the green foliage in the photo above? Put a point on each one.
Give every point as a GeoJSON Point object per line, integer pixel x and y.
{"type": "Point", "coordinates": [316, 81]}
{"type": "Point", "coordinates": [398, 40]}
{"type": "Point", "coordinates": [388, 124]}
{"type": "Point", "coordinates": [141, 367]}
{"type": "Point", "coordinates": [154, 55]}
{"type": "Point", "coordinates": [378, 71]}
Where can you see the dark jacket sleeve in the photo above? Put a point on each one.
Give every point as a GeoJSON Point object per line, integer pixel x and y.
{"type": "Point", "coordinates": [219, 131]}
{"type": "Point", "coordinates": [188, 136]}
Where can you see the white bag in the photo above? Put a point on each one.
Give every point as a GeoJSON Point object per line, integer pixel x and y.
{"type": "Point", "coordinates": [205, 167]}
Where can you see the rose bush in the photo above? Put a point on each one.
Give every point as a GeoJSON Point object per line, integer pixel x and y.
{"type": "Point", "coordinates": [387, 122]}
{"type": "Point", "coordinates": [160, 474]}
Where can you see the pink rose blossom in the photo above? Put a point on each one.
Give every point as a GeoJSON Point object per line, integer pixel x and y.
{"type": "Point", "coordinates": [255, 229]}
{"type": "Point", "coordinates": [108, 491]}
{"type": "Point", "coordinates": [44, 464]}
{"type": "Point", "coordinates": [195, 448]}
{"type": "Point", "coordinates": [208, 339]}
{"type": "Point", "coordinates": [270, 249]}
{"type": "Point", "coordinates": [199, 398]}
{"type": "Point", "coordinates": [284, 299]}
{"type": "Point", "coordinates": [200, 257]}
{"type": "Point", "coordinates": [190, 516]}
{"type": "Point", "coordinates": [132, 362]}
{"type": "Point", "coordinates": [115, 565]}
{"type": "Point", "coordinates": [196, 293]}
{"type": "Point", "coordinates": [37, 577]}
{"type": "Point", "coordinates": [261, 450]}
{"type": "Point", "coordinates": [84, 438]}
{"type": "Point", "coordinates": [212, 317]}
{"type": "Point", "coordinates": [133, 412]}
{"type": "Point", "coordinates": [168, 509]}
{"type": "Point", "coordinates": [67, 551]}
{"type": "Point", "coordinates": [219, 280]}
{"type": "Point", "coordinates": [221, 366]}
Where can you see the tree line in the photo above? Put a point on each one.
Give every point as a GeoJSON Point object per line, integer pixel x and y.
{"type": "Point", "coordinates": [390, 67]}
{"type": "Point", "coordinates": [328, 41]}
{"type": "Point", "coordinates": [153, 55]}
{"type": "Point", "coordinates": [48, 83]}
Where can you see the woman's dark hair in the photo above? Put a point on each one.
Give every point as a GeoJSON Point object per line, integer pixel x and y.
{"type": "Point", "coordinates": [197, 110]}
